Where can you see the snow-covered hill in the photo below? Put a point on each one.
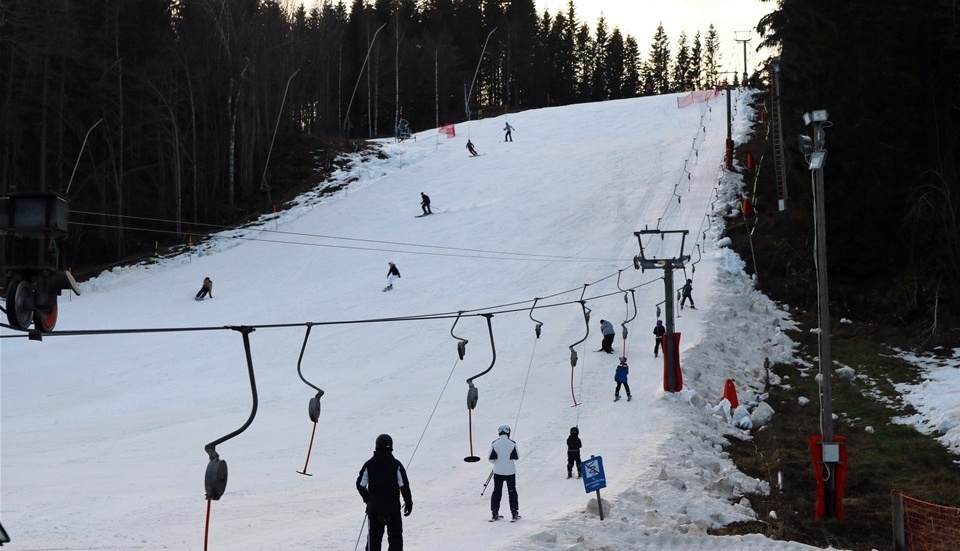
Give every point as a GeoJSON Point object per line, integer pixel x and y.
{"type": "Point", "coordinates": [103, 434]}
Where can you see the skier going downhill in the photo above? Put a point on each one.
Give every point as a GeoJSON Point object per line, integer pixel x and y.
{"type": "Point", "coordinates": [392, 275]}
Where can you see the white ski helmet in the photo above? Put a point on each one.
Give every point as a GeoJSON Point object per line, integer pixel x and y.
{"type": "Point", "coordinates": [504, 429]}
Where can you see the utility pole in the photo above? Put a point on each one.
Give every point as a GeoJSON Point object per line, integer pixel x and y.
{"type": "Point", "coordinates": [673, 381]}
{"type": "Point", "coordinates": [816, 155]}
{"type": "Point", "coordinates": [745, 38]}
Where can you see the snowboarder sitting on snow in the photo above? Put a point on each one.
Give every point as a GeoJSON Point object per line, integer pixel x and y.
{"type": "Point", "coordinates": [205, 289]}
{"type": "Point", "coordinates": [425, 203]}
{"type": "Point", "coordinates": [658, 331]}
{"type": "Point", "coordinates": [503, 452]}
{"type": "Point", "coordinates": [392, 275]}
{"type": "Point", "coordinates": [508, 137]}
{"type": "Point", "coordinates": [381, 482]}
{"type": "Point", "coordinates": [685, 293]}
{"type": "Point", "coordinates": [473, 152]}
{"type": "Point", "coordinates": [608, 332]}
{"type": "Point", "coordinates": [621, 378]}
{"type": "Point", "coordinates": [573, 451]}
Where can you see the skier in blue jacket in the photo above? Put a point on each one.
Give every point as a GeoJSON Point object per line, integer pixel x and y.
{"type": "Point", "coordinates": [621, 378]}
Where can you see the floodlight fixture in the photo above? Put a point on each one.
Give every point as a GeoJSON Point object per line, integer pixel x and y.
{"type": "Point", "coordinates": [820, 115]}
{"type": "Point", "coordinates": [817, 159]}
{"type": "Point", "coordinates": [806, 144]}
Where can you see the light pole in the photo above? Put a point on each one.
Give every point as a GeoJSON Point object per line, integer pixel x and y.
{"type": "Point", "coordinates": [744, 40]}
{"type": "Point", "coordinates": [816, 156]}
{"type": "Point", "coordinates": [466, 97]}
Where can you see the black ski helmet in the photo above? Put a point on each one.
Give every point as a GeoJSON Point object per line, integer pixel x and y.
{"type": "Point", "coordinates": [384, 442]}
{"type": "Point", "coordinates": [574, 431]}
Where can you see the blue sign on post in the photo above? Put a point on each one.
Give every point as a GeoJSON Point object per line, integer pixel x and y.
{"type": "Point", "coordinates": [593, 477]}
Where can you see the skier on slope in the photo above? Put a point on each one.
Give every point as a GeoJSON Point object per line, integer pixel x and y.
{"type": "Point", "coordinates": [381, 483]}
{"type": "Point", "coordinates": [658, 332]}
{"type": "Point", "coordinates": [686, 292]}
{"type": "Point", "coordinates": [205, 289]}
{"type": "Point", "coordinates": [392, 275]}
{"type": "Point", "coordinates": [508, 136]}
{"type": "Point", "coordinates": [620, 376]}
{"type": "Point", "coordinates": [425, 203]}
{"type": "Point", "coordinates": [573, 451]}
{"type": "Point", "coordinates": [470, 148]}
{"type": "Point", "coordinates": [608, 332]}
{"type": "Point", "coordinates": [503, 453]}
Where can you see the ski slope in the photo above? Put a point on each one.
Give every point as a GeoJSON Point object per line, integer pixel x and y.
{"type": "Point", "coordinates": [103, 434]}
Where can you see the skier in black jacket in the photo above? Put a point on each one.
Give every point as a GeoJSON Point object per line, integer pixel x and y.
{"type": "Point", "coordinates": [658, 332]}
{"type": "Point", "coordinates": [392, 275]}
{"type": "Point", "coordinates": [381, 482]}
{"type": "Point", "coordinates": [573, 451]}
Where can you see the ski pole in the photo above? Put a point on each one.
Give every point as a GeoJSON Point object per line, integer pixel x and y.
{"type": "Point", "coordinates": [360, 535]}
{"type": "Point", "coordinates": [489, 476]}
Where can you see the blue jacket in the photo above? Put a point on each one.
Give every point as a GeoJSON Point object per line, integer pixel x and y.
{"type": "Point", "coordinates": [621, 375]}
{"type": "Point", "coordinates": [606, 328]}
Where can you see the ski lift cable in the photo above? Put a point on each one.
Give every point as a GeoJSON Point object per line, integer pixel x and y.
{"type": "Point", "coordinates": [530, 257]}
{"type": "Point", "coordinates": [21, 333]}
{"type": "Point", "coordinates": [432, 413]}
{"type": "Point", "coordinates": [523, 391]}
{"type": "Point", "coordinates": [28, 333]}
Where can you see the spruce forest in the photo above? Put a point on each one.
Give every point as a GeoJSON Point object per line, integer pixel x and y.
{"type": "Point", "coordinates": [161, 119]}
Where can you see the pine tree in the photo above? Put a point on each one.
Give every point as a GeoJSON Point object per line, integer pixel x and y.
{"type": "Point", "coordinates": [658, 66]}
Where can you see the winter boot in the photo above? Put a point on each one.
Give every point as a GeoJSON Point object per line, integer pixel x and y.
{"type": "Point", "coordinates": [516, 515]}
{"type": "Point", "coordinates": [569, 474]}
{"type": "Point", "coordinates": [629, 397]}
{"type": "Point", "coordinates": [496, 516]}
{"type": "Point", "coordinates": [616, 397]}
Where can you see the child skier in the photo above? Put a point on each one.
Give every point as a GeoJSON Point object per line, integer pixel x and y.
{"type": "Point", "coordinates": [621, 378]}
{"type": "Point", "coordinates": [573, 451]}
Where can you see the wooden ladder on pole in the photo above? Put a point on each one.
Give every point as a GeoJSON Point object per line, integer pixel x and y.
{"type": "Point", "coordinates": [779, 156]}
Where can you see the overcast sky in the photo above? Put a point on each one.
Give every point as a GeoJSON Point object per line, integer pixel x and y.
{"type": "Point", "coordinates": [640, 18]}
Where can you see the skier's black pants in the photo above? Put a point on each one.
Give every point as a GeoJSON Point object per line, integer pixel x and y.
{"type": "Point", "coordinates": [202, 292]}
{"type": "Point", "coordinates": [625, 386]}
{"type": "Point", "coordinates": [573, 458]}
{"type": "Point", "coordinates": [683, 300]}
{"type": "Point", "coordinates": [498, 480]}
{"type": "Point", "coordinates": [658, 342]}
{"type": "Point", "coordinates": [607, 344]}
{"type": "Point", "coordinates": [394, 528]}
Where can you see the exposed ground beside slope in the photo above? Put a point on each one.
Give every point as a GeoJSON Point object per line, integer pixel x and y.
{"type": "Point", "coordinates": [882, 456]}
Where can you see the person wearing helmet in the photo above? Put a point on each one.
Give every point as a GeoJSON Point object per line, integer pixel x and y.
{"type": "Point", "coordinates": [608, 332]}
{"type": "Point", "coordinates": [658, 332]}
{"type": "Point", "coordinates": [392, 275]}
{"type": "Point", "coordinates": [621, 378]}
{"type": "Point", "coordinates": [381, 482]}
{"type": "Point", "coordinates": [425, 203]}
{"type": "Point", "coordinates": [686, 293]}
{"type": "Point", "coordinates": [503, 453]}
{"type": "Point", "coordinates": [573, 451]}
